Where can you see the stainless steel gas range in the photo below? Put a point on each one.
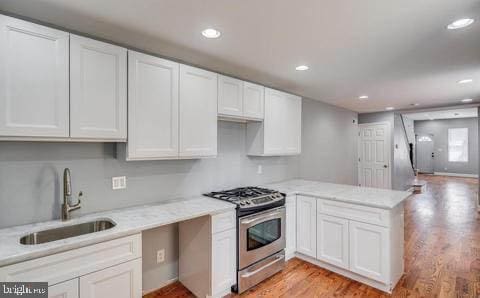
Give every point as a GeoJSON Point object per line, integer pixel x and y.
{"type": "Point", "coordinates": [260, 233]}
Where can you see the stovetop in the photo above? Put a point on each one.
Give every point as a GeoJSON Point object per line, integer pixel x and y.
{"type": "Point", "coordinates": [249, 197]}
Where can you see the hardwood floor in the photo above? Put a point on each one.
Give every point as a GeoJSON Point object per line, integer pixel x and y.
{"type": "Point", "coordinates": [442, 253]}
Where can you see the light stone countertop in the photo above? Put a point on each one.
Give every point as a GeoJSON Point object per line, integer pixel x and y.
{"type": "Point", "coordinates": [136, 219]}
{"type": "Point", "coordinates": [366, 196]}
{"type": "Point", "coordinates": [128, 221]}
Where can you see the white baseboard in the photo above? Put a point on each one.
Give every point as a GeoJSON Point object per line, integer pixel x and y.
{"type": "Point", "coordinates": [163, 284]}
{"type": "Point", "coordinates": [455, 175]}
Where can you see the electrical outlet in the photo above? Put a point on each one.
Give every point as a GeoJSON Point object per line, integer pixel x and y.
{"type": "Point", "coordinates": [161, 256]}
{"type": "Point", "coordinates": [119, 182]}
{"type": "Point", "coordinates": [259, 170]}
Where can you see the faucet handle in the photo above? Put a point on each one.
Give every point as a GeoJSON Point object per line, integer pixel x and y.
{"type": "Point", "coordinates": [77, 205]}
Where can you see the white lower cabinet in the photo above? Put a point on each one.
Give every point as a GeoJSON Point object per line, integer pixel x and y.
{"type": "Point", "coordinates": [306, 225]}
{"type": "Point", "coordinates": [332, 240]}
{"type": "Point", "coordinates": [120, 281]}
{"type": "Point", "coordinates": [223, 260]}
{"type": "Point", "coordinates": [369, 250]}
{"type": "Point", "coordinates": [66, 289]}
{"type": "Point", "coordinates": [291, 226]}
{"type": "Point", "coordinates": [360, 242]}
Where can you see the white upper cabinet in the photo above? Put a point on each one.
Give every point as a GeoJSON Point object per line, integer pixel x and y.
{"type": "Point", "coordinates": [98, 94]}
{"type": "Point", "coordinates": [281, 130]}
{"type": "Point", "coordinates": [253, 100]}
{"type": "Point", "coordinates": [230, 96]}
{"type": "Point", "coordinates": [33, 80]}
{"type": "Point", "coordinates": [198, 112]}
{"type": "Point", "coordinates": [240, 100]}
{"type": "Point", "coordinates": [152, 107]}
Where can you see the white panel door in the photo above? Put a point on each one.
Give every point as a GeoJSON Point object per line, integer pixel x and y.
{"type": "Point", "coordinates": [121, 281]}
{"type": "Point", "coordinates": [369, 251]}
{"type": "Point", "coordinates": [224, 260]}
{"type": "Point", "coordinates": [332, 240]}
{"type": "Point", "coordinates": [198, 112]}
{"type": "Point", "coordinates": [253, 100]}
{"type": "Point", "coordinates": [291, 226]}
{"type": "Point", "coordinates": [274, 122]}
{"type": "Point", "coordinates": [67, 289]}
{"type": "Point", "coordinates": [98, 89]}
{"type": "Point", "coordinates": [374, 148]}
{"type": "Point", "coordinates": [293, 121]}
{"type": "Point", "coordinates": [306, 226]}
{"type": "Point", "coordinates": [33, 80]}
{"type": "Point", "coordinates": [152, 107]}
{"type": "Point", "coordinates": [230, 96]}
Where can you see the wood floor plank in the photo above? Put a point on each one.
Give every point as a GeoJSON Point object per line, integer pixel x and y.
{"type": "Point", "coordinates": [442, 253]}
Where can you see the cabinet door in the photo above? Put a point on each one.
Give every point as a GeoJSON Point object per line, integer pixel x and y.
{"type": "Point", "coordinates": [293, 124]}
{"type": "Point", "coordinates": [332, 240]}
{"type": "Point", "coordinates": [98, 89]}
{"type": "Point", "coordinates": [224, 252]}
{"type": "Point", "coordinates": [291, 224]}
{"type": "Point", "coordinates": [306, 226]}
{"type": "Point", "coordinates": [369, 250]}
{"type": "Point", "coordinates": [121, 281]}
{"type": "Point", "coordinates": [230, 96]}
{"type": "Point", "coordinates": [253, 100]}
{"type": "Point", "coordinates": [33, 80]}
{"type": "Point", "coordinates": [274, 122]}
{"type": "Point", "coordinates": [198, 112]}
{"type": "Point", "coordinates": [67, 289]}
{"type": "Point", "coordinates": [152, 107]}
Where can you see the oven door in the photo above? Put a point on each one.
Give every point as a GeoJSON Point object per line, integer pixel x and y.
{"type": "Point", "coordinates": [260, 235]}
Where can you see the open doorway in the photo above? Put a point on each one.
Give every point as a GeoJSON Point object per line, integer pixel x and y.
{"type": "Point", "coordinates": [444, 142]}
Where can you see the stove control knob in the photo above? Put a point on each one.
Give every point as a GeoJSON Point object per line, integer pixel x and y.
{"type": "Point", "coordinates": [242, 203]}
{"type": "Point", "coordinates": [248, 202]}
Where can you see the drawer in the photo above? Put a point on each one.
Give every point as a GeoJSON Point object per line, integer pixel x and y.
{"type": "Point", "coordinates": [71, 264]}
{"type": "Point", "coordinates": [224, 221]}
{"type": "Point", "coordinates": [360, 213]}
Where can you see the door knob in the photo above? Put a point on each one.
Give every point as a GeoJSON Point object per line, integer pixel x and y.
{"type": "Point", "coordinates": [385, 166]}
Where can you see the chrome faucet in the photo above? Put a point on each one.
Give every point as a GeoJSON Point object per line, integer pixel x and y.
{"type": "Point", "coordinates": [67, 195]}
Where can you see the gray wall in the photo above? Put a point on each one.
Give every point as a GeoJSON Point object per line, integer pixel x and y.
{"type": "Point", "coordinates": [329, 143]}
{"type": "Point", "coordinates": [403, 173]}
{"type": "Point", "coordinates": [31, 187]}
{"type": "Point", "coordinates": [439, 129]}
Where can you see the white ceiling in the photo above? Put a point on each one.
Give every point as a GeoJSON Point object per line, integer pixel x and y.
{"type": "Point", "coordinates": [397, 52]}
{"type": "Point", "coordinates": [444, 114]}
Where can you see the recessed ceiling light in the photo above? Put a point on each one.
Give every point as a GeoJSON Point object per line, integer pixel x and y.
{"type": "Point", "coordinates": [461, 23]}
{"type": "Point", "coordinates": [467, 100]}
{"type": "Point", "coordinates": [389, 108]}
{"type": "Point", "coordinates": [211, 33]}
{"type": "Point", "coordinates": [465, 81]}
{"type": "Point", "coordinates": [363, 97]}
{"type": "Point", "coordinates": [302, 67]}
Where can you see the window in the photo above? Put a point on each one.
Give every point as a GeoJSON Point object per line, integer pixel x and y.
{"type": "Point", "coordinates": [458, 144]}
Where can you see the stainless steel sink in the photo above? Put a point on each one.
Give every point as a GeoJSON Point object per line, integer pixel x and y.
{"type": "Point", "coordinates": [66, 232]}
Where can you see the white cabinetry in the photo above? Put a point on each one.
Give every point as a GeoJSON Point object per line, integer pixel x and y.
{"type": "Point", "coordinates": [34, 90]}
{"type": "Point", "coordinates": [280, 132]}
{"type": "Point", "coordinates": [67, 289]}
{"type": "Point", "coordinates": [291, 226]}
{"type": "Point", "coordinates": [198, 112]}
{"type": "Point", "coordinates": [332, 240]}
{"type": "Point", "coordinates": [207, 254]}
{"type": "Point", "coordinates": [230, 96]}
{"type": "Point", "coordinates": [369, 250]}
{"type": "Point", "coordinates": [306, 226]}
{"type": "Point", "coordinates": [253, 101]}
{"type": "Point", "coordinates": [152, 107]}
{"type": "Point", "coordinates": [98, 89]}
{"type": "Point", "coordinates": [240, 100]}
{"type": "Point", "coordinates": [107, 269]}
{"type": "Point", "coordinates": [120, 281]}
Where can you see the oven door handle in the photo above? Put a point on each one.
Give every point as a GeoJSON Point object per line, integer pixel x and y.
{"type": "Point", "coordinates": [277, 259]}
{"type": "Point", "coordinates": [263, 217]}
